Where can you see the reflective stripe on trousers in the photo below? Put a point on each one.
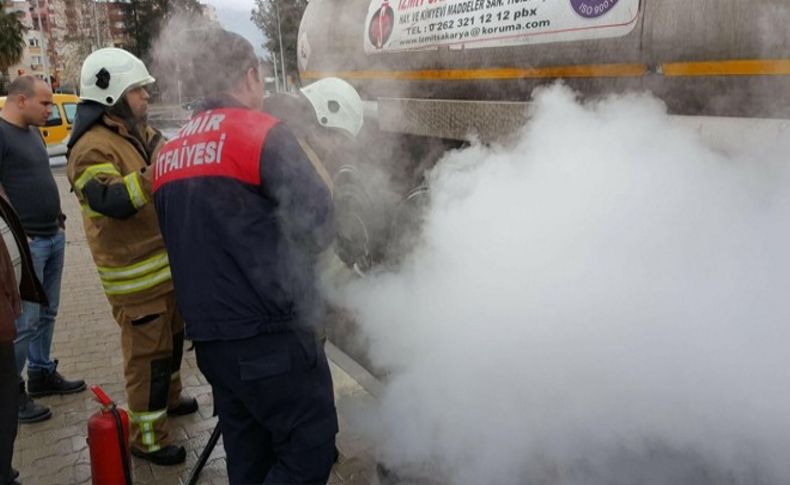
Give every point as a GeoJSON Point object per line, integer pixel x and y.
{"type": "Point", "coordinates": [137, 277]}
{"type": "Point", "coordinates": [145, 420]}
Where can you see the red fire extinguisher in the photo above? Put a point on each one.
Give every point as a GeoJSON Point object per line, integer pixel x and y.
{"type": "Point", "coordinates": [108, 440]}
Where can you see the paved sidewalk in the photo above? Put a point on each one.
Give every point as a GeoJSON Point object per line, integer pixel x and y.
{"type": "Point", "coordinates": [87, 343]}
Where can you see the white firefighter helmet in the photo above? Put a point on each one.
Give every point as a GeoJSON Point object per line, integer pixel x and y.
{"type": "Point", "coordinates": [336, 103]}
{"type": "Point", "coordinates": [108, 73]}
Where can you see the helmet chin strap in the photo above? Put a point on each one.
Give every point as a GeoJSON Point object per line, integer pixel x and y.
{"type": "Point", "coordinates": [123, 111]}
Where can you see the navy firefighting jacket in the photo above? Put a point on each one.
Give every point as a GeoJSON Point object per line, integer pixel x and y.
{"type": "Point", "coordinates": [243, 214]}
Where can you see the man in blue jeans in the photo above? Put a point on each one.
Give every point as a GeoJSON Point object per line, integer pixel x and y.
{"type": "Point", "coordinates": [27, 181]}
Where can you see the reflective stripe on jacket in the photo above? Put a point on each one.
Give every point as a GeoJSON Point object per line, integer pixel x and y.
{"type": "Point", "coordinates": [109, 171]}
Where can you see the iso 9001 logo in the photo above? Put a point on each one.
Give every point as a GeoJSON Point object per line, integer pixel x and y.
{"type": "Point", "coordinates": [593, 8]}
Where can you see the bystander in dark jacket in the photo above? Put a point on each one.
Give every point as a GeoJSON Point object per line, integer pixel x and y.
{"type": "Point", "coordinates": [17, 282]}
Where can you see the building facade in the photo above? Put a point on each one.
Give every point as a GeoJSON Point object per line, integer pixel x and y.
{"type": "Point", "coordinates": [32, 61]}
{"type": "Point", "coordinates": [61, 33]}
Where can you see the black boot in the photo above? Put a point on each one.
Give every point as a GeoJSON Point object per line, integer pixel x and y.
{"type": "Point", "coordinates": [11, 479]}
{"type": "Point", "coordinates": [166, 456]}
{"type": "Point", "coordinates": [45, 383]}
{"type": "Point", "coordinates": [186, 405]}
{"type": "Point", "coordinates": [30, 412]}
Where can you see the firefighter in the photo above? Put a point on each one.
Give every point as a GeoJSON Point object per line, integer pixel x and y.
{"type": "Point", "coordinates": [325, 116]}
{"type": "Point", "coordinates": [244, 214]}
{"type": "Point", "coordinates": [110, 153]}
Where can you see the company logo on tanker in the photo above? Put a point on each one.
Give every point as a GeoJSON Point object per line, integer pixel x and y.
{"type": "Point", "coordinates": [381, 26]}
{"type": "Point", "coordinates": [593, 8]}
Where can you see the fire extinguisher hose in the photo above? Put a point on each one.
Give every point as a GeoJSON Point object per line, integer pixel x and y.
{"type": "Point", "coordinates": [127, 473]}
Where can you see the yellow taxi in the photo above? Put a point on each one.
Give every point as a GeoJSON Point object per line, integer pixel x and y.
{"type": "Point", "coordinates": [58, 127]}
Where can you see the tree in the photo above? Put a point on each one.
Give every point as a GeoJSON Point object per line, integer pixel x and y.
{"type": "Point", "coordinates": [80, 40]}
{"type": "Point", "coordinates": [74, 54]}
{"type": "Point", "coordinates": [12, 43]}
{"type": "Point", "coordinates": [264, 15]}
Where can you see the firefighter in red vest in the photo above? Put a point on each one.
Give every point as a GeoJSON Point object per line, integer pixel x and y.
{"type": "Point", "coordinates": [244, 214]}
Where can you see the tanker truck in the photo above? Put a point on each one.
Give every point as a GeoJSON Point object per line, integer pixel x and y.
{"type": "Point", "coordinates": [450, 68]}
{"type": "Point", "coordinates": [436, 74]}
{"type": "Point", "coordinates": [439, 74]}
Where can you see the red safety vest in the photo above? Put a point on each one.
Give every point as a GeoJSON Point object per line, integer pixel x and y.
{"type": "Point", "coordinates": [216, 143]}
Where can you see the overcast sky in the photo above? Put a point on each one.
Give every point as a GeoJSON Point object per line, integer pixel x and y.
{"type": "Point", "coordinates": [234, 15]}
{"type": "Point", "coordinates": [244, 5]}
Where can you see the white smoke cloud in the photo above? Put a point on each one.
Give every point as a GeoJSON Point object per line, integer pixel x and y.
{"type": "Point", "coordinates": [234, 15]}
{"type": "Point", "coordinates": [606, 302]}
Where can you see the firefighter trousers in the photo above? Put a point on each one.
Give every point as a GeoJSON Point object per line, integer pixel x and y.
{"type": "Point", "coordinates": [152, 340]}
{"type": "Point", "coordinates": [273, 393]}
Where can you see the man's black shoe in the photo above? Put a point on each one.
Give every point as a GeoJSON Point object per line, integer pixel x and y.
{"type": "Point", "coordinates": [186, 405]}
{"type": "Point", "coordinates": [30, 412]}
{"type": "Point", "coordinates": [166, 456]}
{"type": "Point", "coordinates": [44, 383]}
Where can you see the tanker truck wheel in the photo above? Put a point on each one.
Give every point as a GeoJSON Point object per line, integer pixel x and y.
{"type": "Point", "coordinates": [363, 215]}
{"type": "Point", "coordinates": [352, 203]}
{"type": "Point", "coordinates": [407, 224]}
